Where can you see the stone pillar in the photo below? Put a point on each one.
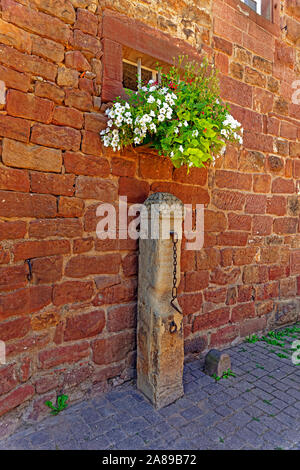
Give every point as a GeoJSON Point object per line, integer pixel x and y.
{"type": "Point", "coordinates": [160, 351]}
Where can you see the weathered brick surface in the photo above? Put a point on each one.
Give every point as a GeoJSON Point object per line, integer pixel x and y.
{"type": "Point", "coordinates": [28, 106]}
{"type": "Point", "coordinates": [59, 61]}
{"type": "Point", "coordinates": [33, 157]}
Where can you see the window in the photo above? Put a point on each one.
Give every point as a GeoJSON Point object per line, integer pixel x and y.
{"type": "Point", "coordinates": [264, 8]}
{"type": "Point", "coordinates": [254, 5]}
{"type": "Point", "coordinates": [135, 73]}
{"type": "Point", "coordinates": [131, 48]}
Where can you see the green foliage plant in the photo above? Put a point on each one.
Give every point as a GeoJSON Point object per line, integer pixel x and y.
{"type": "Point", "coordinates": [61, 404]}
{"type": "Point", "coordinates": [182, 116]}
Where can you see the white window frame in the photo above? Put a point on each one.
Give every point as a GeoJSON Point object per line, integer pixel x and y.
{"type": "Point", "coordinates": [156, 75]}
{"type": "Point", "coordinates": [258, 3]}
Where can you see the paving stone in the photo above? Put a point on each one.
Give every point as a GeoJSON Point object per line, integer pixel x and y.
{"type": "Point", "coordinates": [193, 429]}
{"type": "Point", "coordinates": [185, 402]}
{"type": "Point", "coordinates": [234, 442]}
{"type": "Point", "coordinates": [240, 419]}
{"type": "Point", "coordinates": [131, 443]}
{"type": "Point", "coordinates": [90, 415]}
{"type": "Point", "coordinates": [208, 419]}
{"type": "Point", "coordinates": [209, 413]}
{"type": "Point", "coordinates": [198, 395]}
{"type": "Point", "coordinates": [168, 410]}
{"type": "Point", "coordinates": [272, 423]}
{"type": "Point", "coordinates": [68, 445]}
{"type": "Point", "coordinates": [281, 386]}
{"type": "Point", "coordinates": [191, 413]}
{"type": "Point", "coordinates": [158, 444]}
{"type": "Point", "coordinates": [250, 437]}
{"type": "Point", "coordinates": [294, 393]}
{"type": "Point", "coordinates": [238, 403]}
{"type": "Point", "coordinates": [100, 443]}
{"type": "Point", "coordinates": [250, 397]}
{"type": "Point", "coordinates": [198, 373]}
{"type": "Point", "coordinates": [183, 444]}
{"type": "Point", "coordinates": [106, 411]}
{"type": "Point", "coordinates": [122, 417]}
{"type": "Point", "coordinates": [171, 436]}
{"type": "Point", "coordinates": [262, 394]}
{"type": "Point", "coordinates": [153, 418]}
{"type": "Point", "coordinates": [288, 420]}
{"type": "Point", "coordinates": [275, 438]}
{"type": "Point", "coordinates": [149, 435]}
{"type": "Point", "coordinates": [257, 426]}
{"type": "Point", "coordinates": [267, 407]}
{"type": "Point", "coordinates": [115, 435]}
{"type": "Point", "coordinates": [163, 428]}
{"type": "Point", "coordinates": [47, 446]}
{"type": "Point", "coordinates": [109, 424]}
{"type": "Point", "coordinates": [224, 410]}
{"type": "Point", "coordinates": [190, 387]}
{"type": "Point", "coordinates": [269, 380]}
{"type": "Point", "coordinates": [38, 438]}
{"type": "Point", "coordinates": [279, 403]}
{"type": "Point", "coordinates": [233, 392]}
{"type": "Point", "coordinates": [18, 444]}
{"type": "Point", "coordinates": [293, 411]}
{"type": "Point", "coordinates": [135, 425]}
{"type": "Point", "coordinates": [176, 420]}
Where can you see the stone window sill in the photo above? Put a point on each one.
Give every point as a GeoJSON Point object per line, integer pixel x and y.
{"type": "Point", "coordinates": [272, 26]}
{"type": "Point", "coordinates": [121, 34]}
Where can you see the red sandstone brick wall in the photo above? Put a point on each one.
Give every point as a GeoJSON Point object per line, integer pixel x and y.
{"type": "Point", "coordinates": [72, 327]}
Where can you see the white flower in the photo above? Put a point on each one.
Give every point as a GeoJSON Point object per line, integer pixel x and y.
{"type": "Point", "coordinates": [151, 99]}
{"type": "Point", "coordinates": [231, 122]}
{"type": "Point", "coordinates": [172, 154]}
{"type": "Point", "coordinates": [158, 102]}
{"type": "Point", "coordinates": [152, 113]}
{"type": "Point", "coordinates": [186, 123]}
{"type": "Point", "coordinates": [110, 123]}
{"type": "Point", "coordinates": [195, 133]}
{"type": "Point", "coordinates": [181, 148]}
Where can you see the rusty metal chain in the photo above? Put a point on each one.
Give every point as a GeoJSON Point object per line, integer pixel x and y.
{"type": "Point", "coordinates": [174, 287]}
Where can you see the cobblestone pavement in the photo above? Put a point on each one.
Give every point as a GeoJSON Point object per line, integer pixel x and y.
{"type": "Point", "coordinates": [257, 409]}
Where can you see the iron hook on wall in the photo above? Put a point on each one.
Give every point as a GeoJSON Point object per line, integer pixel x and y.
{"type": "Point", "coordinates": [29, 275]}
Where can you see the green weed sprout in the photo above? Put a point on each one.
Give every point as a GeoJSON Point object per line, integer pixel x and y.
{"type": "Point", "coordinates": [61, 404]}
